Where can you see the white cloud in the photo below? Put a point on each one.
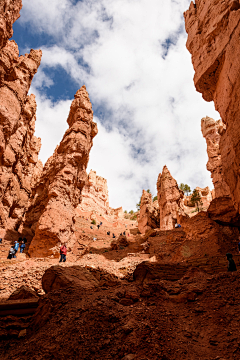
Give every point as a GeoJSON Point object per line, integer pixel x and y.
{"type": "Point", "coordinates": [151, 110]}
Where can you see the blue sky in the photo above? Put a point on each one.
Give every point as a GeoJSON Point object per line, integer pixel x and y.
{"type": "Point", "coordinates": [131, 56]}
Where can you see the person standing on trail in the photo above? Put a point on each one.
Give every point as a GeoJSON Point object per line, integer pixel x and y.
{"type": "Point", "coordinates": [16, 246]}
{"type": "Point", "coordinates": [0, 240]}
{"type": "Point", "coordinates": [22, 247]}
{"type": "Point", "coordinates": [63, 253]}
{"type": "Point", "coordinates": [98, 226]}
{"type": "Point", "coordinates": [231, 263]}
{"type": "Point", "coordinates": [11, 253]}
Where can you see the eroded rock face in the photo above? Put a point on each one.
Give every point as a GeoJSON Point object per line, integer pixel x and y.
{"type": "Point", "coordinates": [149, 213]}
{"type": "Point", "coordinates": [213, 29]}
{"type": "Point", "coordinates": [170, 199]}
{"type": "Point", "coordinates": [19, 148]}
{"type": "Point", "coordinates": [95, 195]}
{"type": "Point", "coordinates": [212, 131]}
{"type": "Point", "coordinates": [9, 13]}
{"type": "Point", "coordinates": [50, 217]}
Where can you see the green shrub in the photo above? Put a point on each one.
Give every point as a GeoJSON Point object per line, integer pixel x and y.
{"type": "Point", "coordinates": [93, 222]}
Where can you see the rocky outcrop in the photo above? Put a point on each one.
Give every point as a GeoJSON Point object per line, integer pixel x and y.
{"type": "Point", "coordinates": [19, 148]}
{"type": "Point", "coordinates": [206, 198]}
{"type": "Point", "coordinates": [50, 217]}
{"type": "Point", "coordinates": [95, 195]}
{"type": "Point", "coordinates": [170, 200]}
{"type": "Point", "coordinates": [212, 131]}
{"type": "Point", "coordinates": [9, 13]}
{"type": "Point", "coordinates": [148, 217]}
{"type": "Point", "coordinates": [213, 29]}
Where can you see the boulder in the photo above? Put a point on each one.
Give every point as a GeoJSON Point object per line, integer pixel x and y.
{"type": "Point", "coordinates": [58, 277]}
{"type": "Point", "coordinates": [222, 211]}
{"type": "Point", "coordinates": [24, 292]}
{"type": "Point", "coordinates": [119, 243]}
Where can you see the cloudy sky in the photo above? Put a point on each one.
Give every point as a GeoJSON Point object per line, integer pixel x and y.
{"type": "Point", "coordinates": [131, 56]}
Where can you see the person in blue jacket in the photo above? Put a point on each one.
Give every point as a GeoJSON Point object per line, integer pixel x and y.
{"type": "Point", "coordinates": [16, 246]}
{"type": "Point", "coordinates": [22, 247]}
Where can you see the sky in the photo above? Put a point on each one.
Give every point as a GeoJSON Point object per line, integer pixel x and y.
{"type": "Point", "coordinates": [131, 55]}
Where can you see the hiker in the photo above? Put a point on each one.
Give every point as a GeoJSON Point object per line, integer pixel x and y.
{"type": "Point", "coordinates": [176, 225]}
{"type": "Point", "coordinates": [91, 227]}
{"type": "Point", "coordinates": [16, 246]}
{"type": "Point", "coordinates": [94, 239]}
{"type": "Point", "coordinates": [114, 236]}
{"type": "Point", "coordinates": [108, 233]}
{"type": "Point", "coordinates": [22, 247]}
{"type": "Point", "coordinates": [179, 225]}
{"type": "Point", "coordinates": [124, 233]}
{"type": "Point", "coordinates": [24, 240]}
{"type": "Point", "coordinates": [11, 253]}
{"type": "Point", "coordinates": [231, 263]}
{"type": "Point", "coordinates": [100, 223]}
{"type": "Point", "coordinates": [98, 226]}
{"type": "Point", "coordinates": [0, 240]}
{"type": "Point", "coordinates": [121, 234]}
{"type": "Point", "coordinates": [63, 253]}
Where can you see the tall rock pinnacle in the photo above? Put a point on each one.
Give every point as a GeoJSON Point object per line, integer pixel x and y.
{"type": "Point", "coordinates": [170, 199]}
{"type": "Point", "coordinates": [58, 191]}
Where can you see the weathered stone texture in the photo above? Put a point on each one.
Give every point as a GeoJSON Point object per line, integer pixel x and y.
{"type": "Point", "coordinates": [149, 213]}
{"type": "Point", "coordinates": [50, 217]}
{"type": "Point", "coordinates": [213, 29]}
{"type": "Point", "coordinates": [19, 148]}
{"type": "Point", "coordinates": [170, 200]}
{"type": "Point", "coordinates": [95, 195]}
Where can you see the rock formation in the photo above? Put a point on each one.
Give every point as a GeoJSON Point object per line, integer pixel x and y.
{"type": "Point", "coordinates": [213, 29]}
{"type": "Point", "coordinates": [212, 131]}
{"type": "Point", "coordinates": [170, 199]}
{"type": "Point", "coordinates": [50, 217]}
{"type": "Point", "coordinates": [148, 217]}
{"type": "Point", "coordinates": [206, 198]}
{"type": "Point", "coordinates": [95, 195]}
{"type": "Point", "coordinates": [19, 148]}
{"type": "Point", "coordinates": [9, 13]}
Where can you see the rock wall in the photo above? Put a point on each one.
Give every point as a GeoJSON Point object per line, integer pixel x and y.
{"type": "Point", "coordinates": [9, 13]}
{"type": "Point", "coordinates": [95, 195]}
{"type": "Point", "coordinates": [170, 199]}
{"type": "Point", "coordinates": [19, 148]}
{"type": "Point", "coordinates": [148, 217]}
{"type": "Point", "coordinates": [213, 29]}
{"type": "Point", "coordinates": [50, 217]}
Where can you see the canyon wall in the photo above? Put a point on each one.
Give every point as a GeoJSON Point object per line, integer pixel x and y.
{"type": "Point", "coordinates": [50, 217]}
{"type": "Point", "coordinates": [19, 148]}
{"type": "Point", "coordinates": [213, 29]}
{"type": "Point", "coordinates": [148, 217]}
{"type": "Point", "coordinates": [95, 195]}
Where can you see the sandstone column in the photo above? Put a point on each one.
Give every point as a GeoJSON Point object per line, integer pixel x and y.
{"type": "Point", "coordinates": [58, 191]}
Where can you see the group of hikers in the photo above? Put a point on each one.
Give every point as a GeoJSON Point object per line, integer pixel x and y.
{"type": "Point", "coordinates": [20, 243]}
{"type": "Point", "coordinates": [114, 236]}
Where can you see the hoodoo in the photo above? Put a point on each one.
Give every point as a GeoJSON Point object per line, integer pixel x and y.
{"type": "Point", "coordinates": [170, 199]}
{"type": "Point", "coordinates": [50, 217]}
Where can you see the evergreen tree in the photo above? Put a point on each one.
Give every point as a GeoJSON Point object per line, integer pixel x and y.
{"type": "Point", "coordinates": [196, 199]}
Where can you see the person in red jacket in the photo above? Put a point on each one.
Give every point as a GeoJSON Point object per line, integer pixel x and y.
{"type": "Point", "coordinates": [63, 253]}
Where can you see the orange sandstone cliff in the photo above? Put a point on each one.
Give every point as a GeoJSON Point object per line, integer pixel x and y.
{"type": "Point", "coordinates": [19, 148]}
{"type": "Point", "coordinates": [213, 29]}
